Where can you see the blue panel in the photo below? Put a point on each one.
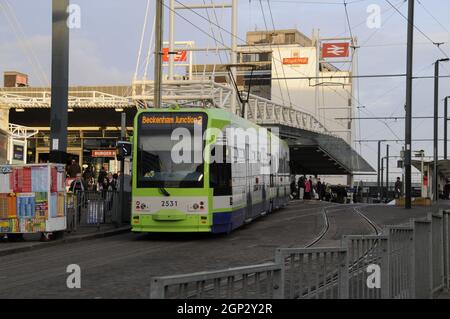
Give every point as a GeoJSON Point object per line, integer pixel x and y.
{"type": "Point", "coordinates": [226, 222]}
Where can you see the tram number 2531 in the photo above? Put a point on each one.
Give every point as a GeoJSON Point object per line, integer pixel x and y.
{"type": "Point", "coordinates": [169, 203]}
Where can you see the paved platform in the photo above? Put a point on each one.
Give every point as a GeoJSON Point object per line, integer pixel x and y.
{"type": "Point", "coordinates": [385, 215]}
{"type": "Point", "coordinates": [33, 241]}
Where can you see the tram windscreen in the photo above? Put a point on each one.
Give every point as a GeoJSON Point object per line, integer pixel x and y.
{"type": "Point", "coordinates": [170, 150]}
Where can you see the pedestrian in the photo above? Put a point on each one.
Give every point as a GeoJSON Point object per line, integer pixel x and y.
{"type": "Point", "coordinates": [301, 187]}
{"type": "Point", "coordinates": [307, 190]}
{"type": "Point", "coordinates": [319, 189]}
{"type": "Point", "coordinates": [88, 176]}
{"type": "Point", "coordinates": [73, 169]}
{"type": "Point", "coordinates": [398, 188]}
{"type": "Point", "coordinates": [78, 185]}
{"type": "Point", "coordinates": [293, 188]}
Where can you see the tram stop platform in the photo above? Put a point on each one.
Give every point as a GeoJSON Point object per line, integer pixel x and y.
{"type": "Point", "coordinates": [33, 241]}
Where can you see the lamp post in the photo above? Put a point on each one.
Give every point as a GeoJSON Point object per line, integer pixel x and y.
{"type": "Point", "coordinates": [445, 126]}
{"type": "Point", "coordinates": [387, 171]}
{"type": "Point", "coordinates": [408, 107]}
{"type": "Point", "coordinates": [436, 127]}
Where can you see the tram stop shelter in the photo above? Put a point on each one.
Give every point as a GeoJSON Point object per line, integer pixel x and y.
{"type": "Point", "coordinates": [321, 154]}
{"type": "Point", "coordinates": [443, 172]}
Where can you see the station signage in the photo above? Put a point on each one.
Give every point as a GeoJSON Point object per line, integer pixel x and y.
{"type": "Point", "coordinates": [18, 152]}
{"type": "Point", "coordinates": [180, 56]}
{"type": "Point", "coordinates": [293, 61]}
{"type": "Point", "coordinates": [177, 119]}
{"type": "Point", "coordinates": [104, 153]}
{"type": "Point", "coordinates": [336, 50]}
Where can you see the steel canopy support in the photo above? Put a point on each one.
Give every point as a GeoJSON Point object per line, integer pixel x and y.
{"type": "Point", "coordinates": [408, 108]}
{"type": "Point", "coordinates": [60, 82]}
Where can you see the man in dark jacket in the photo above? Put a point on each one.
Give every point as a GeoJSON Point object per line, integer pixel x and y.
{"type": "Point", "coordinates": [398, 188]}
{"type": "Point", "coordinates": [78, 185]}
{"type": "Point", "coordinates": [73, 169]}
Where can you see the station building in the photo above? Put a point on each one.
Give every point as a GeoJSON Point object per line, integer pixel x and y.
{"type": "Point", "coordinates": [94, 121]}
{"type": "Point", "coordinates": [291, 68]}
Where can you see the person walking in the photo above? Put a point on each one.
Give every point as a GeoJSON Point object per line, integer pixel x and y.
{"type": "Point", "coordinates": [319, 189]}
{"type": "Point", "coordinates": [398, 188]}
{"type": "Point", "coordinates": [78, 187]}
{"type": "Point", "coordinates": [308, 189]}
{"type": "Point", "coordinates": [73, 169]}
{"type": "Point", "coordinates": [301, 187]}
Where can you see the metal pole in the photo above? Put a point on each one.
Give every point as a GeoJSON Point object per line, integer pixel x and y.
{"type": "Point", "coordinates": [382, 177]}
{"type": "Point", "coordinates": [234, 30]}
{"type": "Point", "coordinates": [158, 52]}
{"type": "Point", "coordinates": [171, 37]}
{"type": "Point", "coordinates": [60, 82]}
{"type": "Point", "coordinates": [378, 170]}
{"type": "Point", "coordinates": [123, 136]}
{"type": "Point", "coordinates": [436, 134]}
{"type": "Point", "coordinates": [387, 171]}
{"type": "Point", "coordinates": [446, 127]}
{"type": "Point", "coordinates": [408, 120]}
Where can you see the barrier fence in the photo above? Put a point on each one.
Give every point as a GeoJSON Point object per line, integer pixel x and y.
{"type": "Point", "coordinates": [92, 208]}
{"type": "Point", "coordinates": [405, 262]}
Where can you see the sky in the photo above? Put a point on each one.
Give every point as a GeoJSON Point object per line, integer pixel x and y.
{"type": "Point", "coordinates": [104, 49]}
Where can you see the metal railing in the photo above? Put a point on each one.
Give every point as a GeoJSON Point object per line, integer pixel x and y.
{"type": "Point", "coordinates": [255, 282]}
{"type": "Point", "coordinates": [404, 262]}
{"type": "Point", "coordinates": [92, 208]}
{"type": "Point", "coordinates": [314, 273]}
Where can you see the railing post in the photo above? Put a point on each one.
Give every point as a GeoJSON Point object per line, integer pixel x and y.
{"type": "Point", "coordinates": [422, 259]}
{"type": "Point", "coordinates": [343, 276]}
{"type": "Point", "coordinates": [278, 284]}
{"type": "Point", "coordinates": [446, 247]}
{"type": "Point", "coordinates": [157, 290]}
{"type": "Point", "coordinates": [279, 260]}
{"type": "Point", "coordinates": [385, 269]}
{"type": "Point", "coordinates": [437, 251]}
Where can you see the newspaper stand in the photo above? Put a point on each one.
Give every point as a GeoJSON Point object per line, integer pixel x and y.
{"type": "Point", "coordinates": [32, 199]}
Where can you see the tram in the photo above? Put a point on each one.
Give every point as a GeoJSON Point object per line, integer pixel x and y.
{"type": "Point", "coordinates": [204, 170]}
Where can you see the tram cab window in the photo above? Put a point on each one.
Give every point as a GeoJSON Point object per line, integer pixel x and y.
{"type": "Point", "coordinates": [220, 172]}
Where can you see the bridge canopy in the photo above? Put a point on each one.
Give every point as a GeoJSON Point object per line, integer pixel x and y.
{"type": "Point", "coordinates": [322, 154]}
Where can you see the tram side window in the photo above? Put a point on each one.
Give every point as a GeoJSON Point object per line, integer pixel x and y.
{"type": "Point", "coordinates": [220, 174]}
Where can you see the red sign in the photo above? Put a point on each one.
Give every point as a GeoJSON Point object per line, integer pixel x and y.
{"type": "Point", "coordinates": [180, 56]}
{"type": "Point", "coordinates": [104, 153]}
{"type": "Point", "coordinates": [295, 61]}
{"type": "Point", "coordinates": [425, 180]}
{"type": "Point", "coordinates": [336, 50]}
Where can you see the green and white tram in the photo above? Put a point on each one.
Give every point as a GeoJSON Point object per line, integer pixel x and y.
{"type": "Point", "coordinates": [204, 170]}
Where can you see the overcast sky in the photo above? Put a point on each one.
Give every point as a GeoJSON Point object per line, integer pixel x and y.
{"type": "Point", "coordinates": [104, 50]}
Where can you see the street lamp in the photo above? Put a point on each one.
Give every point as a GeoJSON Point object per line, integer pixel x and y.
{"type": "Point", "coordinates": [445, 125]}
{"type": "Point", "coordinates": [436, 127]}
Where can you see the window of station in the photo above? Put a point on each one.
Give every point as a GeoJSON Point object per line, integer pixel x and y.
{"type": "Point", "coordinates": [289, 38]}
{"type": "Point", "coordinates": [256, 57]}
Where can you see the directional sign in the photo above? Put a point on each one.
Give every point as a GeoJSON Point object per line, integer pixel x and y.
{"type": "Point", "coordinates": [179, 56]}
{"type": "Point", "coordinates": [336, 50]}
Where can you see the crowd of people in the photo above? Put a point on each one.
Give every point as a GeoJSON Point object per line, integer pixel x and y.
{"type": "Point", "coordinates": [315, 189]}
{"type": "Point", "coordinates": [86, 180]}
{"type": "Point", "coordinates": [309, 188]}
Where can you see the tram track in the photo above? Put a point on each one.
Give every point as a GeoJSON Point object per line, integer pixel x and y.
{"type": "Point", "coordinates": [325, 213]}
